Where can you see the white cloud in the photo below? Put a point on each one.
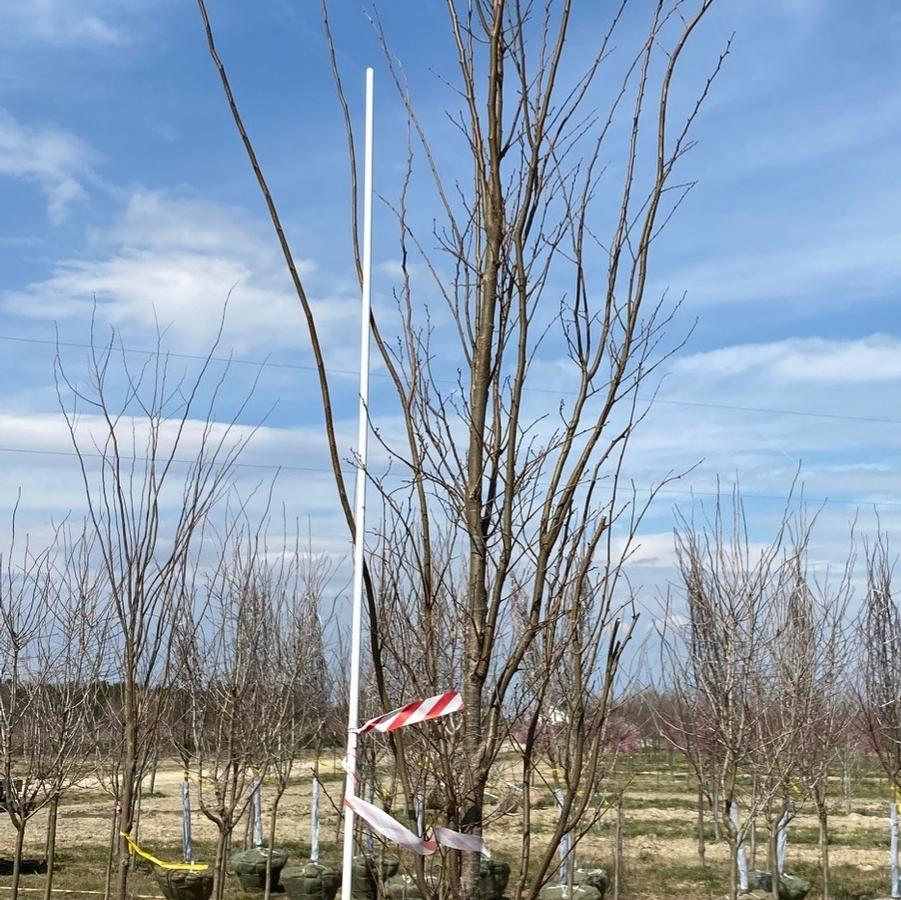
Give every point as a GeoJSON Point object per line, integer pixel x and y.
{"type": "Point", "coordinates": [55, 159]}
{"type": "Point", "coordinates": [60, 23]}
{"type": "Point", "coordinates": [175, 261]}
{"type": "Point", "coordinates": [870, 359]}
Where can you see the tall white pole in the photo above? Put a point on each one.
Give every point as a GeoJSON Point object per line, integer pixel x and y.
{"type": "Point", "coordinates": [350, 760]}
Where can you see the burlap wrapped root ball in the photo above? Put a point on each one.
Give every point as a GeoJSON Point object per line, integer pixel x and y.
{"type": "Point", "coordinates": [790, 886]}
{"type": "Point", "coordinates": [181, 884]}
{"type": "Point", "coordinates": [596, 878]}
{"type": "Point", "coordinates": [405, 887]}
{"type": "Point", "coordinates": [310, 882]}
{"type": "Point", "coordinates": [250, 867]}
{"type": "Point", "coordinates": [368, 871]}
{"type": "Point", "coordinates": [493, 875]}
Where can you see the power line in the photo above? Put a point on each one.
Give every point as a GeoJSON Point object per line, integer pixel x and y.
{"type": "Point", "coordinates": [348, 470]}
{"type": "Point", "coordinates": [274, 364]}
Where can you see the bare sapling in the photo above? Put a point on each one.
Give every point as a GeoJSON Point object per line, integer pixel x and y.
{"type": "Point", "coordinates": [241, 669]}
{"type": "Point", "coordinates": [154, 463]}
{"type": "Point", "coordinates": [714, 643]}
{"type": "Point", "coordinates": [880, 676]}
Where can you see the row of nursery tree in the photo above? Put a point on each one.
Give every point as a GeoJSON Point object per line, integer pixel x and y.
{"type": "Point", "coordinates": [520, 351]}
{"type": "Point", "coordinates": [777, 676]}
{"type": "Point", "coordinates": [218, 646]}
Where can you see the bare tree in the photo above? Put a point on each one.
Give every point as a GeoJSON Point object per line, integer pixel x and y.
{"type": "Point", "coordinates": [715, 648]}
{"type": "Point", "coordinates": [823, 651]}
{"type": "Point", "coordinates": [128, 426]}
{"type": "Point", "coordinates": [881, 642]}
{"type": "Point", "coordinates": [302, 693]}
{"type": "Point", "coordinates": [52, 637]}
{"type": "Point", "coordinates": [78, 665]}
{"type": "Point", "coordinates": [880, 681]}
{"type": "Point", "coordinates": [533, 245]}
{"type": "Point", "coordinates": [785, 694]}
{"type": "Point", "coordinates": [246, 652]}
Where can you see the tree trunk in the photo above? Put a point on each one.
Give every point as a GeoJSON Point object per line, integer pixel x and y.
{"type": "Point", "coordinates": [824, 847]}
{"type": "Point", "coordinates": [474, 793]}
{"type": "Point", "coordinates": [717, 836]}
{"type": "Point", "coordinates": [752, 840]}
{"type": "Point", "coordinates": [702, 848]}
{"type": "Point", "coordinates": [17, 860]}
{"type": "Point", "coordinates": [267, 893]}
{"type": "Point", "coordinates": [136, 824]}
{"type": "Point", "coordinates": [129, 775]}
{"type": "Point", "coordinates": [733, 869]}
{"type": "Point", "coordinates": [113, 840]}
{"type": "Point", "coordinates": [50, 853]}
{"type": "Point", "coordinates": [219, 868]}
{"type": "Point", "coordinates": [772, 855]}
{"type": "Point", "coordinates": [153, 768]}
{"type": "Point", "coordinates": [618, 852]}
{"type": "Point", "coordinates": [752, 829]}
{"type": "Point", "coordinates": [846, 785]}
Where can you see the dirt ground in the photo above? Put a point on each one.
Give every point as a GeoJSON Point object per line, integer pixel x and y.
{"type": "Point", "coordinates": [660, 840]}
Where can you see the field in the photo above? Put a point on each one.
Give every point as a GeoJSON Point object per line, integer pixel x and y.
{"type": "Point", "coordinates": [659, 836]}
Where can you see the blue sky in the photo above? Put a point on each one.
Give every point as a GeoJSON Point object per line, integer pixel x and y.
{"type": "Point", "coordinates": [121, 178]}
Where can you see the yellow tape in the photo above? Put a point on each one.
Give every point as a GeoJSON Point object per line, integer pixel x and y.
{"type": "Point", "coordinates": [897, 792]}
{"type": "Point", "coordinates": [182, 867]}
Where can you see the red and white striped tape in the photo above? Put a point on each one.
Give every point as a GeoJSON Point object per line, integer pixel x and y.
{"type": "Point", "coordinates": [417, 711]}
{"type": "Point", "coordinates": [460, 841]}
{"type": "Point", "coordinates": [390, 828]}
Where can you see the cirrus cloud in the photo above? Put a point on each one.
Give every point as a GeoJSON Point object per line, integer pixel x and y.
{"type": "Point", "coordinates": [55, 159]}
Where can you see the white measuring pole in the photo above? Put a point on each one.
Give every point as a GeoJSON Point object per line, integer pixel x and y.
{"type": "Point", "coordinates": [350, 759]}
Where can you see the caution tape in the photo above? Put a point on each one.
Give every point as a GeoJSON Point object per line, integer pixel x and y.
{"type": "Point", "coordinates": [896, 791]}
{"type": "Point", "coordinates": [417, 711]}
{"type": "Point", "coordinates": [471, 842]}
{"type": "Point", "coordinates": [182, 867]}
{"type": "Point", "coordinates": [390, 828]}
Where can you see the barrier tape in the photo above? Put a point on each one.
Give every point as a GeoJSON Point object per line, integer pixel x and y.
{"type": "Point", "coordinates": [182, 867]}
{"type": "Point", "coordinates": [459, 841]}
{"type": "Point", "coordinates": [417, 711]}
{"type": "Point", "coordinates": [390, 828]}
